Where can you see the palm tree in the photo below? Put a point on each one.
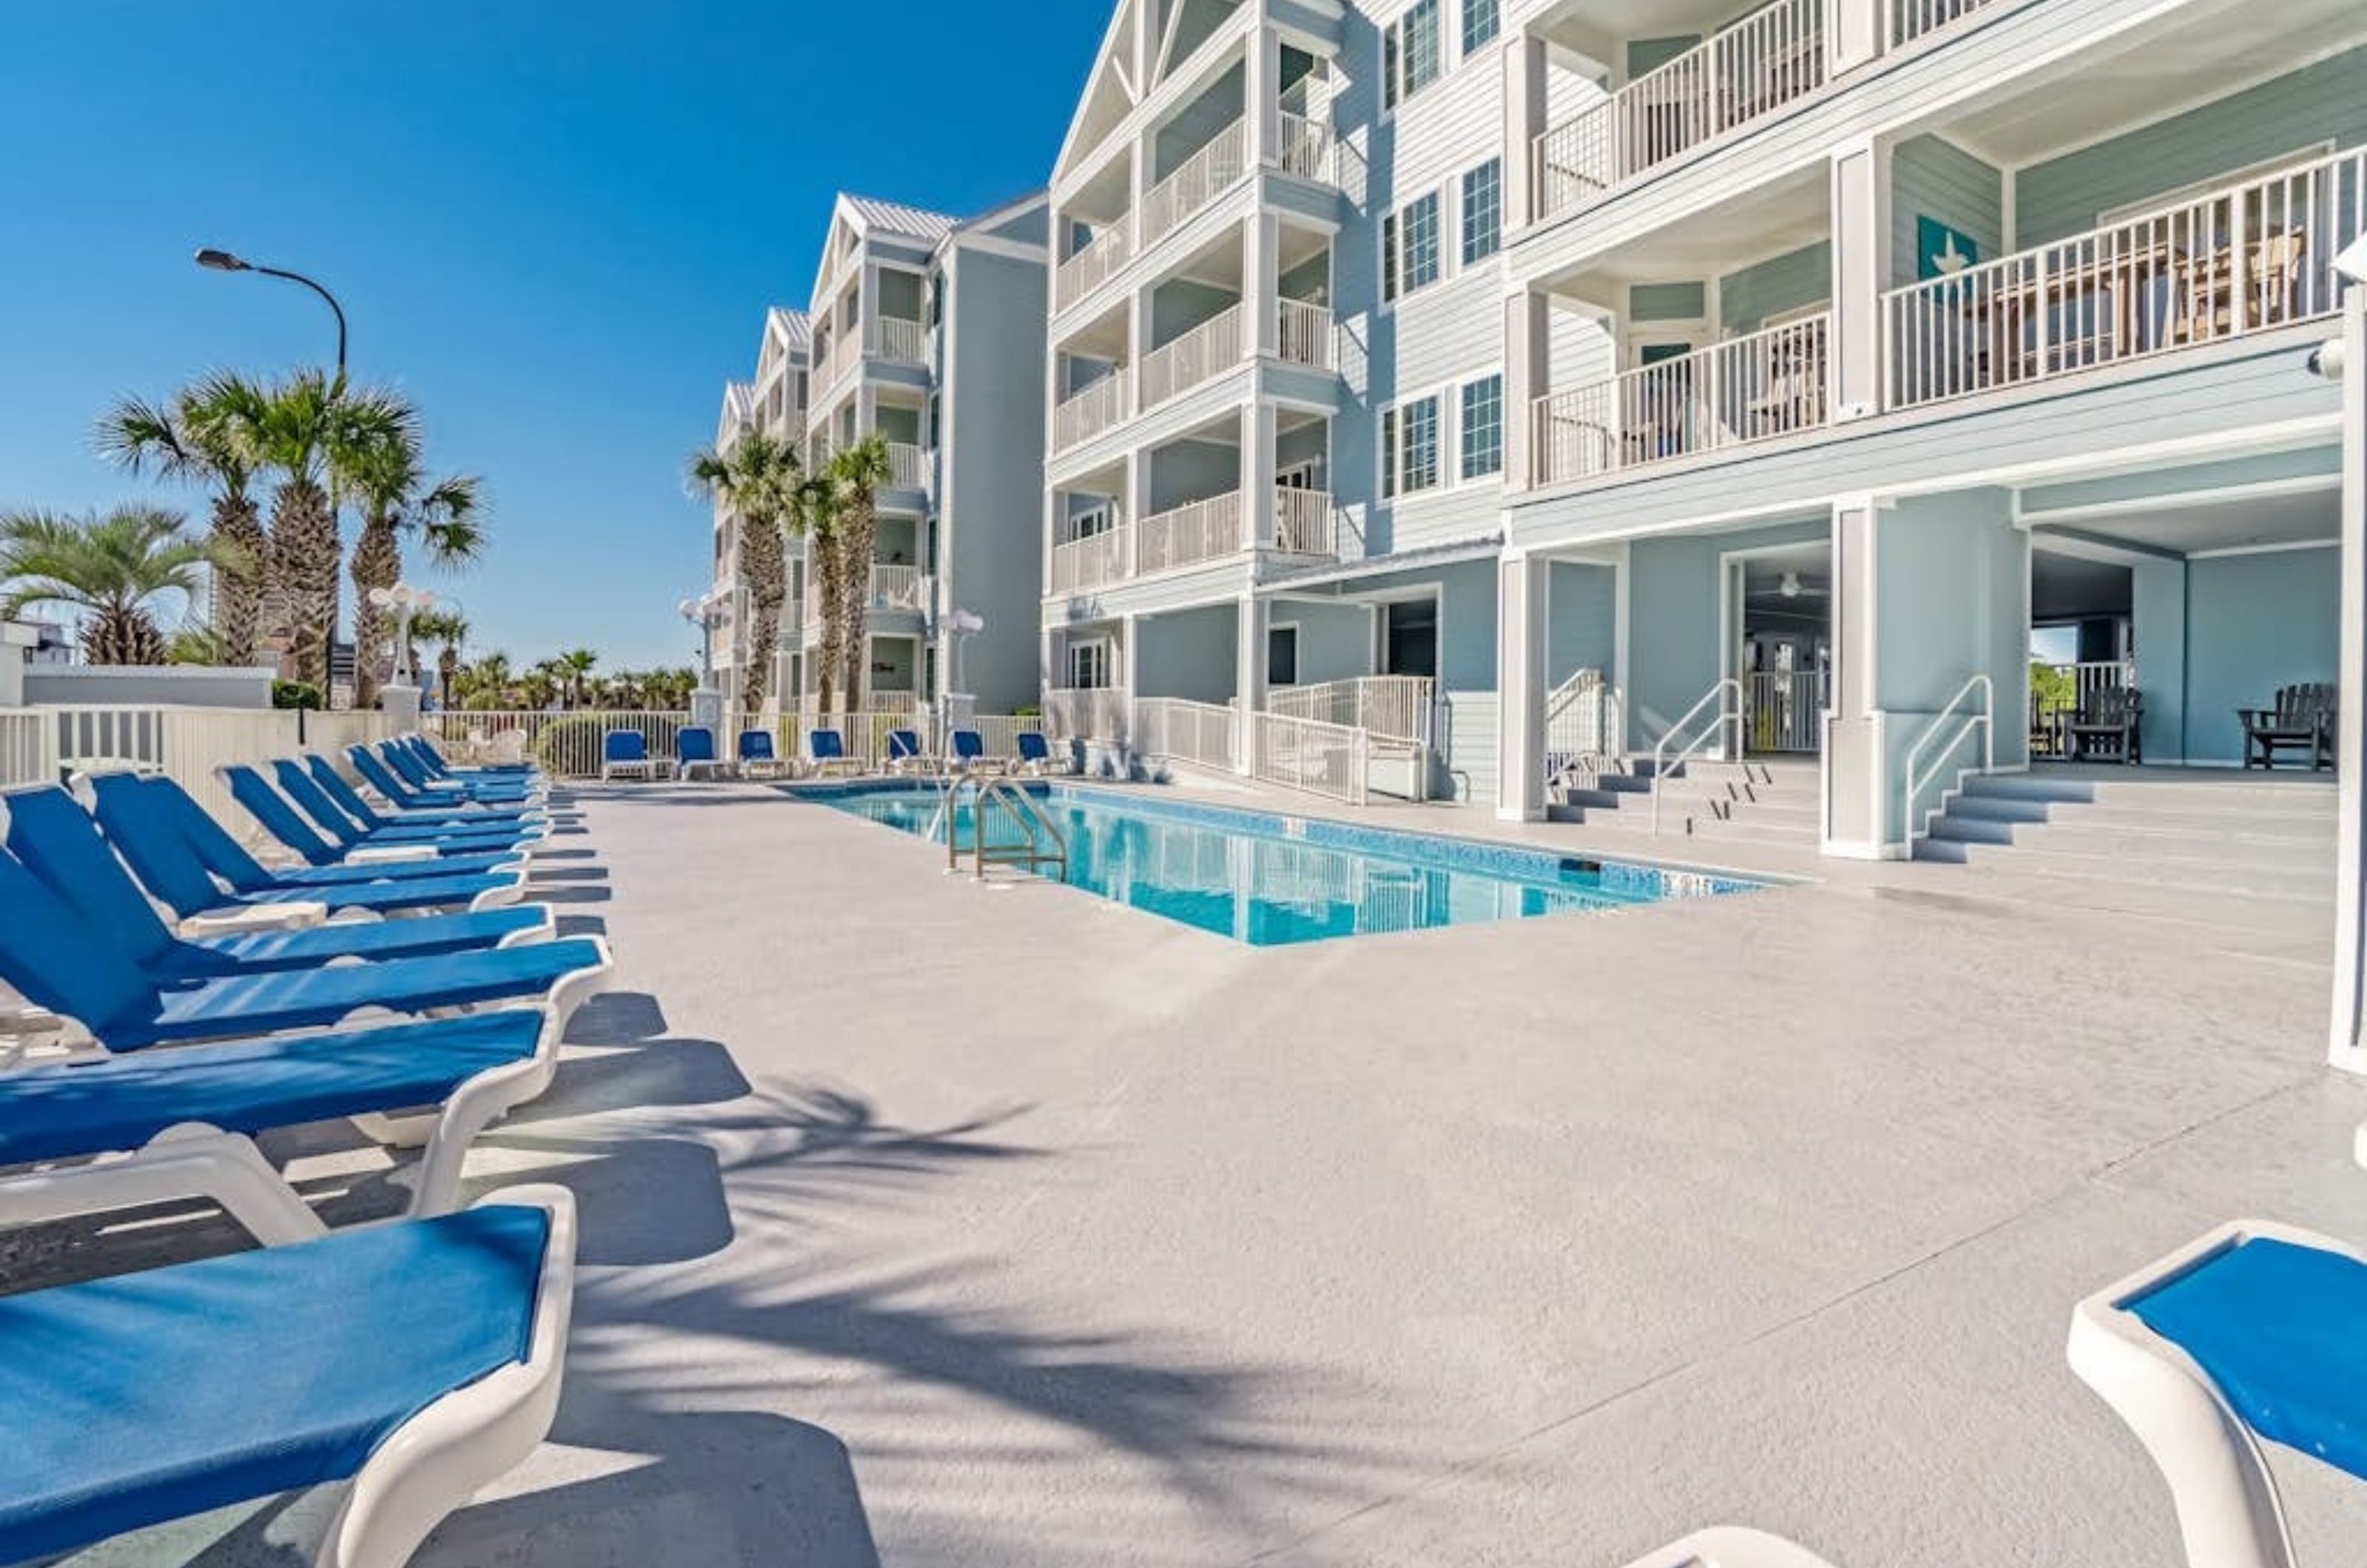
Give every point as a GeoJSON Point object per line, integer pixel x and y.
{"type": "Point", "coordinates": [396, 499]}
{"type": "Point", "coordinates": [857, 472]}
{"type": "Point", "coordinates": [110, 566]}
{"type": "Point", "coordinates": [485, 683]}
{"type": "Point", "coordinates": [574, 670]}
{"type": "Point", "coordinates": [192, 439]}
{"type": "Point", "coordinates": [816, 516]}
{"type": "Point", "coordinates": [541, 684]}
{"type": "Point", "coordinates": [757, 476]}
{"type": "Point", "coordinates": [447, 629]}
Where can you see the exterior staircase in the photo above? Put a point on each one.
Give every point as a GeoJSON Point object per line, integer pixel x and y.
{"type": "Point", "coordinates": [2257, 834]}
{"type": "Point", "coordinates": [1764, 801]}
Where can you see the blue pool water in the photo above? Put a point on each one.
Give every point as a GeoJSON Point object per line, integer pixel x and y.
{"type": "Point", "coordinates": [1269, 880]}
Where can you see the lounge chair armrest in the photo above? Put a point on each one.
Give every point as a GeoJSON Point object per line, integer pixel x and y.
{"type": "Point", "coordinates": [255, 918]}
{"type": "Point", "coordinates": [391, 854]}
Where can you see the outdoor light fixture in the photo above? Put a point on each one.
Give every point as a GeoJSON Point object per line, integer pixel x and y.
{"type": "Point", "coordinates": [1790, 587]}
{"type": "Point", "coordinates": [216, 260]}
{"type": "Point", "coordinates": [405, 601]}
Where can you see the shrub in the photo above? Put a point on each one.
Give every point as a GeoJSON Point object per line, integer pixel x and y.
{"type": "Point", "coordinates": [296, 695]}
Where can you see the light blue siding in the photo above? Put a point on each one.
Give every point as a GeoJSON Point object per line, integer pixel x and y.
{"type": "Point", "coordinates": [1335, 641]}
{"type": "Point", "coordinates": [1186, 471]}
{"type": "Point", "coordinates": [1582, 625]}
{"type": "Point", "coordinates": [1789, 282]}
{"type": "Point", "coordinates": [1650, 53]}
{"type": "Point", "coordinates": [1667, 302]}
{"type": "Point", "coordinates": [1936, 179]}
{"type": "Point", "coordinates": [2254, 622]}
{"type": "Point", "coordinates": [1188, 655]}
{"type": "Point", "coordinates": [1675, 650]}
{"type": "Point", "coordinates": [991, 533]}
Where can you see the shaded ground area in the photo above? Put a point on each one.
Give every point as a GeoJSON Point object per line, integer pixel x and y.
{"type": "Point", "coordinates": [929, 1224]}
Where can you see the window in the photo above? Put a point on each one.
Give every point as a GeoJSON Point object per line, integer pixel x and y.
{"type": "Point", "coordinates": [1409, 637]}
{"type": "Point", "coordinates": [1483, 427]}
{"type": "Point", "coordinates": [1282, 656]}
{"type": "Point", "coordinates": [1417, 446]}
{"type": "Point", "coordinates": [937, 298]}
{"type": "Point", "coordinates": [1419, 229]}
{"type": "Point", "coordinates": [1480, 20]}
{"type": "Point", "coordinates": [1089, 665]}
{"type": "Point", "coordinates": [1388, 453]}
{"type": "Point", "coordinates": [1390, 51]}
{"type": "Point", "coordinates": [935, 428]}
{"type": "Point", "coordinates": [1389, 256]}
{"type": "Point", "coordinates": [1483, 211]}
{"type": "Point", "coordinates": [1412, 53]}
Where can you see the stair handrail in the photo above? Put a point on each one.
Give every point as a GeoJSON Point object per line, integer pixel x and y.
{"type": "Point", "coordinates": [1662, 761]}
{"type": "Point", "coordinates": [1984, 719]}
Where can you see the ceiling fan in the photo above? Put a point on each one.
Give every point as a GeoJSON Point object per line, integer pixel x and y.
{"type": "Point", "coordinates": [1791, 586]}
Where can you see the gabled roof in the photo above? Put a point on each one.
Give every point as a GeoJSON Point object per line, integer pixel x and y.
{"type": "Point", "coordinates": [739, 411]}
{"type": "Point", "coordinates": [995, 217]}
{"type": "Point", "coordinates": [1110, 91]}
{"type": "Point", "coordinates": [793, 330]}
{"type": "Point", "coordinates": [892, 219]}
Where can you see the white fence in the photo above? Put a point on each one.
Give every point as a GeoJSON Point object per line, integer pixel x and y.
{"type": "Point", "coordinates": [1303, 522]}
{"type": "Point", "coordinates": [1090, 561]}
{"type": "Point", "coordinates": [1393, 707]}
{"type": "Point", "coordinates": [908, 465]}
{"type": "Point", "coordinates": [1085, 414]}
{"type": "Point", "coordinates": [1201, 354]}
{"type": "Point", "coordinates": [1207, 174]}
{"type": "Point", "coordinates": [896, 586]}
{"type": "Point", "coordinates": [1089, 268]}
{"type": "Point", "coordinates": [905, 343]}
{"type": "Point", "coordinates": [565, 745]}
{"type": "Point", "coordinates": [1306, 334]}
{"type": "Point", "coordinates": [25, 753]}
{"type": "Point", "coordinates": [1201, 530]}
{"type": "Point", "coordinates": [1753, 68]}
{"type": "Point", "coordinates": [1329, 760]}
{"type": "Point", "coordinates": [1749, 388]}
{"type": "Point", "coordinates": [1176, 730]}
{"type": "Point", "coordinates": [2245, 258]}
{"type": "Point", "coordinates": [1783, 710]}
{"type": "Point", "coordinates": [1308, 149]}
{"type": "Point", "coordinates": [1080, 713]}
{"type": "Point", "coordinates": [44, 745]}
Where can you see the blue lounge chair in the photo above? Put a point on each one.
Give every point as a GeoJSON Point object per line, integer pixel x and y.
{"type": "Point", "coordinates": [827, 752]}
{"type": "Point", "coordinates": [434, 763]}
{"type": "Point", "coordinates": [399, 769]}
{"type": "Point", "coordinates": [153, 839]}
{"type": "Point", "coordinates": [412, 1363]}
{"type": "Point", "coordinates": [280, 818]}
{"type": "Point", "coordinates": [904, 753]}
{"type": "Point", "coordinates": [319, 817]}
{"type": "Point", "coordinates": [428, 819]}
{"type": "Point", "coordinates": [1036, 753]}
{"type": "Point", "coordinates": [404, 755]}
{"type": "Point", "coordinates": [757, 752]}
{"type": "Point", "coordinates": [627, 752]}
{"type": "Point", "coordinates": [47, 954]}
{"type": "Point", "coordinates": [226, 858]}
{"type": "Point", "coordinates": [2245, 1337]}
{"type": "Point", "coordinates": [969, 754]}
{"type": "Point", "coordinates": [401, 793]}
{"type": "Point", "coordinates": [694, 751]}
{"type": "Point", "coordinates": [58, 842]}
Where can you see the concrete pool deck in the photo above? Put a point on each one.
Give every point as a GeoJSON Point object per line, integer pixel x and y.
{"type": "Point", "coordinates": [928, 1222]}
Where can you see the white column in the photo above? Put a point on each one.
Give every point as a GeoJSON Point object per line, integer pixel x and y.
{"type": "Point", "coordinates": [1856, 767]}
{"type": "Point", "coordinates": [1134, 506]}
{"type": "Point", "coordinates": [1257, 473]}
{"type": "Point", "coordinates": [1524, 122]}
{"type": "Point", "coordinates": [1261, 92]}
{"type": "Point", "coordinates": [1860, 209]}
{"type": "Point", "coordinates": [870, 313]}
{"type": "Point", "coordinates": [1055, 506]}
{"type": "Point", "coordinates": [1261, 286]}
{"type": "Point", "coordinates": [2346, 1050]}
{"type": "Point", "coordinates": [1528, 376]}
{"type": "Point", "coordinates": [1520, 687]}
{"type": "Point", "coordinates": [1249, 670]}
{"type": "Point", "coordinates": [1853, 33]}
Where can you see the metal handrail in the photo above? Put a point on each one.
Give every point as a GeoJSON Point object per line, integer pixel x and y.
{"type": "Point", "coordinates": [1032, 819]}
{"type": "Point", "coordinates": [1661, 762]}
{"type": "Point", "coordinates": [1986, 719]}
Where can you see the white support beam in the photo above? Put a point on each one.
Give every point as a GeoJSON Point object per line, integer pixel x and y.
{"type": "Point", "coordinates": [1522, 620]}
{"type": "Point", "coordinates": [2346, 1050]}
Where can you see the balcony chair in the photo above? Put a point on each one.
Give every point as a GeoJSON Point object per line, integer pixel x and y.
{"type": "Point", "coordinates": [2111, 719]}
{"type": "Point", "coordinates": [1729, 1547]}
{"type": "Point", "coordinates": [2245, 1337]}
{"type": "Point", "coordinates": [2272, 269]}
{"type": "Point", "coordinates": [826, 754]}
{"type": "Point", "coordinates": [693, 752]}
{"type": "Point", "coordinates": [408, 1364]}
{"type": "Point", "coordinates": [626, 752]}
{"type": "Point", "coordinates": [757, 754]}
{"type": "Point", "coordinates": [2301, 719]}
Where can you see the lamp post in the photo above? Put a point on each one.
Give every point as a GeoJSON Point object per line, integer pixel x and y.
{"type": "Point", "coordinates": [405, 601]}
{"type": "Point", "coordinates": [706, 614]}
{"type": "Point", "coordinates": [955, 704]}
{"type": "Point", "coordinates": [223, 260]}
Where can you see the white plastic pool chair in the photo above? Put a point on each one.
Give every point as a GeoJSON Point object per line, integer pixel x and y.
{"type": "Point", "coordinates": [1730, 1546]}
{"type": "Point", "coordinates": [2246, 1335]}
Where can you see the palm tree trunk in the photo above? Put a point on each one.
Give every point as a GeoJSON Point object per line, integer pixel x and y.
{"type": "Point", "coordinates": [862, 537]}
{"type": "Point", "coordinates": [763, 558]}
{"type": "Point", "coordinates": [122, 634]}
{"type": "Point", "coordinates": [823, 557]}
{"type": "Point", "coordinates": [305, 554]}
{"type": "Point", "coordinates": [377, 563]}
{"type": "Point", "coordinates": [237, 609]}
{"type": "Point", "coordinates": [448, 676]}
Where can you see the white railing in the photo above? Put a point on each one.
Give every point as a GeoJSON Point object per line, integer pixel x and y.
{"type": "Point", "coordinates": [1090, 561]}
{"type": "Point", "coordinates": [1091, 268]}
{"type": "Point", "coordinates": [1783, 710]}
{"type": "Point", "coordinates": [1199, 531]}
{"type": "Point", "coordinates": [1674, 751]}
{"type": "Point", "coordinates": [999, 733]}
{"type": "Point", "coordinates": [564, 745]}
{"type": "Point", "coordinates": [185, 744]}
{"type": "Point", "coordinates": [1082, 713]}
{"type": "Point", "coordinates": [837, 359]}
{"type": "Point", "coordinates": [898, 587]}
{"type": "Point", "coordinates": [1768, 384]}
{"type": "Point", "coordinates": [1305, 335]}
{"type": "Point", "coordinates": [908, 467]}
{"type": "Point", "coordinates": [1392, 707]}
{"type": "Point", "coordinates": [26, 754]}
{"type": "Point", "coordinates": [904, 342]}
{"type": "Point", "coordinates": [2244, 259]}
{"type": "Point", "coordinates": [1329, 760]}
{"type": "Point", "coordinates": [1303, 522]}
{"type": "Point", "coordinates": [1921, 774]}
{"type": "Point", "coordinates": [1753, 68]}
{"type": "Point", "coordinates": [1911, 19]}
{"type": "Point", "coordinates": [1586, 725]}
{"type": "Point", "coordinates": [1308, 149]}
{"type": "Point", "coordinates": [1206, 351]}
{"type": "Point", "coordinates": [1085, 414]}
{"type": "Point", "coordinates": [1207, 174]}
{"type": "Point", "coordinates": [1179, 731]}
{"type": "Point", "coordinates": [2075, 687]}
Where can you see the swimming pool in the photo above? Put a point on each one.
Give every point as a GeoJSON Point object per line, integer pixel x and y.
{"type": "Point", "coordinates": [1270, 881]}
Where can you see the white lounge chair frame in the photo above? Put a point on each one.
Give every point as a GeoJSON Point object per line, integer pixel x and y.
{"type": "Point", "coordinates": [2228, 1512]}
{"type": "Point", "coordinates": [1730, 1546]}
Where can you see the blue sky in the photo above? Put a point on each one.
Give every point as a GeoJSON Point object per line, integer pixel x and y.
{"type": "Point", "coordinates": [555, 225]}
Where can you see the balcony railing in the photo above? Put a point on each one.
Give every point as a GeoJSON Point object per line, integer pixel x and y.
{"type": "Point", "coordinates": [1091, 268]}
{"type": "Point", "coordinates": [1751, 388]}
{"type": "Point", "coordinates": [1207, 174]}
{"type": "Point", "coordinates": [908, 467]}
{"type": "Point", "coordinates": [1308, 149]}
{"type": "Point", "coordinates": [2243, 259]}
{"type": "Point", "coordinates": [837, 358]}
{"type": "Point", "coordinates": [1751, 70]}
{"type": "Point", "coordinates": [898, 587]}
{"type": "Point", "coordinates": [1200, 531]}
{"type": "Point", "coordinates": [1303, 522]}
{"type": "Point", "coordinates": [1090, 561]}
{"type": "Point", "coordinates": [904, 342]}
{"type": "Point", "coordinates": [1911, 19]}
{"type": "Point", "coordinates": [1783, 710]}
{"type": "Point", "coordinates": [1205, 352]}
{"type": "Point", "coordinates": [1085, 414]}
{"type": "Point", "coordinates": [1085, 713]}
{"type": "Point", "coordinates": [1305, 335]}
{"type": "Point", "coordinates": [1396, 707]}
{"type": "Point", "coordinates": [1180, 731]}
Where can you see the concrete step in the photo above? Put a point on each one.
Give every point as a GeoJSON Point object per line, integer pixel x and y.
{"type": "Point", "coordinates": [2200, 875]}
{"type": "Point", "coordinates": [2213, 797]}
{"type": "Point", "coordinates": [1752, 829]}
{"type": "Point", "coordinates": [2223, 848]}
{"type": "Point", "coordinates": [2314, 826]}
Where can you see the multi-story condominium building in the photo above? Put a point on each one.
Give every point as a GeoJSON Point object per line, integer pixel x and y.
{"type": "Point", "coordinates": [776, 402]}
{"type": "Point", "coordinates": [1673, 380]}
{"type": "Point", "coordinates": [927, 331]}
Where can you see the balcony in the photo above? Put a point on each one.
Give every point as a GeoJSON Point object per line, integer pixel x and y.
{"type": "Point", "coordinates": [1090, 561]}
{"type": "Point", "coordinates": [1732, 79]}
{"type": "Point", "coordinates": [1751, 388]}
{"type": "Point", "coordinates": [1092, 266]}
{"type": "Point", "coordinates": [1215, 168]}
{"type": "Point", "coordinates": [1308, 149]}
{"type": "Point", "coordinates": [1201, 354]}
{"type": "Point", "coordinates": [2242, 259]}
{"type": "Point", "coordinates": [898, 587]}
{"type": "Point", "coordinates": [1305, 335]}
{"type": "Point", "coordinates": [1086, 414]}
{"type": "Point", "coordinates": [1201, 530]}
{"type": "Point", "coordinates": [836, 359]}
{"type": "Point", "coordinates": [908, 467]}
{"type": "Point", "coordinates": [1912, 19]}
{"type": "Point", "coordinates": [1305, 524]}
{"type": "Point", "coordinates": [900, 342]}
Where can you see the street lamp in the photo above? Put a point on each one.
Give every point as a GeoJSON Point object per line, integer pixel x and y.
{"type": "Point", "coordinates": [223, 260]}
{"type": "Point", "coordinates": [706, 614]}
{"type": "Point", "coordinates": [405, 601]}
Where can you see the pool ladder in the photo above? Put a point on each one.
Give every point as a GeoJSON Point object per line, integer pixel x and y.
{"type": "Point", "coordinates": [1041, 843]}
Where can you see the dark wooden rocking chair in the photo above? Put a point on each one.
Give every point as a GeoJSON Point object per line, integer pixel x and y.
{"type": "Point", "coordinates": [2110, 720]}
{"type": "Point", "coordinates": [2302, 720]}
